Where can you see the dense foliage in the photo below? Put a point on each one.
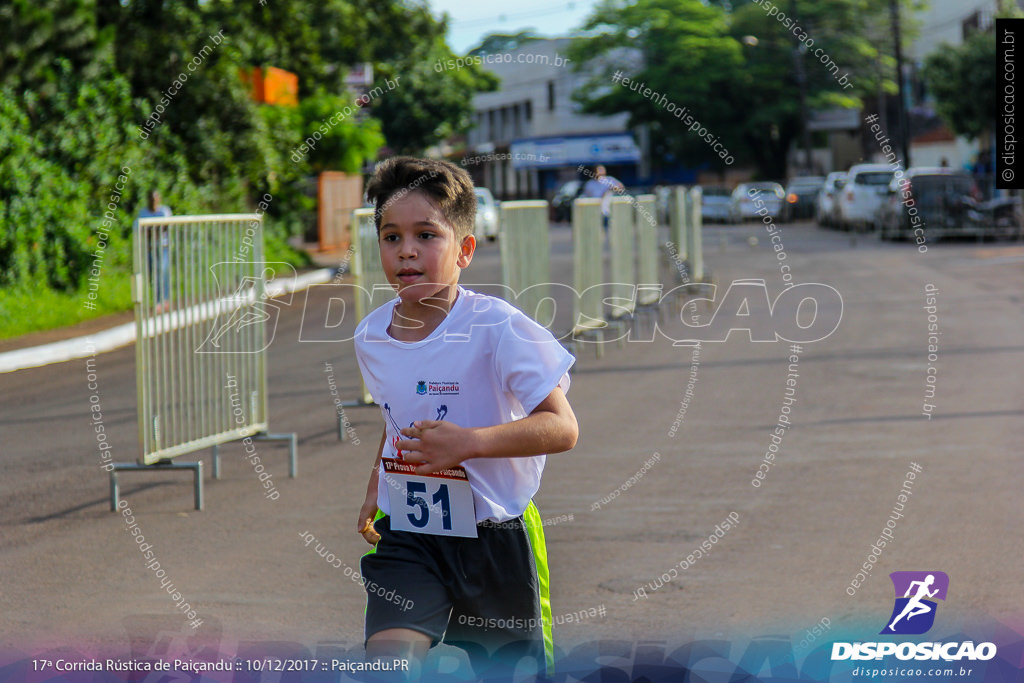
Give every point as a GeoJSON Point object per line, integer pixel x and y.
{"type": "Point", "coordinates": [966, 68]}
{"type": "Point", "coordinates": [151, 90]}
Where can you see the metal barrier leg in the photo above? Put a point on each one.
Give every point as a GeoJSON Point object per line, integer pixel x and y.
{"type": "Point", "coordinates": [648, 315]}
{"type": "Point", "coordinates": [293, 453]}
{"type": "Point", "coordinates": [114, 490]}
{"type": "Point", "coordinates": [216, 461]}
{"type": "Point", "coordinates": [621, 324]}
{"type": "Point", "coordinates": [293, 443]}
{"type": "Point", "coordinates": [359, 403]}
{"type": "Point", "coordinates": [341, 429]}
{"type": "Point", "coordinates": [197, 483]}
{"type": "Point", "coordinates": [615, 325]}
{"type": "Point", "coordinates": [639, 323]}
{"type": "Point", "coordinates": [197, 478]}
{"type": "Point", "coordinates": [598, 335]}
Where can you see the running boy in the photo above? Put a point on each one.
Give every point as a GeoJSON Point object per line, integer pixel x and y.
{"type": "Point", "coordinates": [473, 392]}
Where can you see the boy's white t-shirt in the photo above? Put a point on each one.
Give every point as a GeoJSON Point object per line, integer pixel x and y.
{"type": "Point", "coordinates": [487, 363]}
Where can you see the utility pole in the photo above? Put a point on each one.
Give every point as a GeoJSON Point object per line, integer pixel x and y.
{"type": "Point", "coordinates": [801, 81]}
{"type": "Point", "coordinates": [901, 110]}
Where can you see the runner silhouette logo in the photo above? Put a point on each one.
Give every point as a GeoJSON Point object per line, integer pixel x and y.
{"type": "Point", "coordinates": [916, 592]}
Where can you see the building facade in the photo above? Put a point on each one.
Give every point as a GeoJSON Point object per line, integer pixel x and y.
{"type": "Point", "coordinates": [943, 23]}
{"type": "Point", "coordinates": [530, 136]}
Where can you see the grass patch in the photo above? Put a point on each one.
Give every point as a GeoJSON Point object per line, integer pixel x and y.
{"type": "Point", "coordinates": [33, 310]}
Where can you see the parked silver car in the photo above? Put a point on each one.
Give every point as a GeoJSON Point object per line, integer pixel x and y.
{"type": "Point", "coordinates": [486, 215]}
{"type": "Point", "coordinates": [714, 206]}
{"type": "Point", "coordinates": [742, 205]}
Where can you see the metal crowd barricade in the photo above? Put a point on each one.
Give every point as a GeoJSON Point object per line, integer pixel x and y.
{"type": "Point", "coordinates": [694, 239]}
{"type": "Point", "coordinates": [526, 257]}
{"type": "Point", "coordinates": [678, 219]}
{"type": "Point", "coordinates": [201, 312]}
{"type": "Point", "coordinates": [366, 266]}
{"type": "Point", "coordinates": [368, 274]}
{"type": "Point", "coordinates": [588, 272]}
{"type": "Point", "coordinates": [648, 293]}
{"type": "Point", "coordinates": [622, 244]}
{"type": "Point", "coordinates": [685, 249]}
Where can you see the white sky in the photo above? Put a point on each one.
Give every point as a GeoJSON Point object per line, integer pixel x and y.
{"type": "Point", "coordinates": [471, 20]}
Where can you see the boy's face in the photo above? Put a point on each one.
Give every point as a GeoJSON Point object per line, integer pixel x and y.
{"type": "Point", "coordinates": [421, 256]}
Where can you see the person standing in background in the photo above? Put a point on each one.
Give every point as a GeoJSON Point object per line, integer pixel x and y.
{"type": "Point", "coordinates": [601, 185]}
{"type": "Point", "coordinates": [162, 274]}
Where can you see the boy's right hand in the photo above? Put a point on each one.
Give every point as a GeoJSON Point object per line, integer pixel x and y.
{"type": "Point", "coordinates": [365, 523]}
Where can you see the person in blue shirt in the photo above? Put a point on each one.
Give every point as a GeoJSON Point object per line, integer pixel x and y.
{"type": "Point", "coordinates": [602, 186]}
{"type": "Point", "coordinates": [162, 275]}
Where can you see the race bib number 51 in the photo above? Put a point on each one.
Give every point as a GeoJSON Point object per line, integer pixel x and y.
{"type": "Point", "coordinates": [440, 503]}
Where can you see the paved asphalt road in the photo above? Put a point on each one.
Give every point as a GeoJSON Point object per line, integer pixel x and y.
{"type": "Point", "coordinates": [71, 574]}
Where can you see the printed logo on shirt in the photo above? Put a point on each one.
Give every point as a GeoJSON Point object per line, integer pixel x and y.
{"type": "Point", "coordinates": [432, 388]}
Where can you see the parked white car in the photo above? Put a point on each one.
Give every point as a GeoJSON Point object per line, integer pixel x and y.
{"type": "Point", "coordinates": [861, 199]}
{"type": "Point", "coordinates": [714, 204]}
{"type": "Point", "coordinates": [742, 205]}
{"type": "Point", "coordinates": [486, 215]}
{"type": "Point", "coordinates": [827, 211]}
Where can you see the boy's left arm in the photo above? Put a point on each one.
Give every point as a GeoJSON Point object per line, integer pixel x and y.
{"type": "Point", "coordinates": [437, 445]}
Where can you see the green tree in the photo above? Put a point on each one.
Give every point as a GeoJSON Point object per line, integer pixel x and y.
{"type": "Point", "coordinates": [78, 79]}
{"type": "Point", "coordinates": [431, 102]}
{"type": "Point", "coordinates": [58, 168]}
{"type": "Point", "coordinates": [733, 67]}
{"type": "Point", "coordinates": [40, 36]}
{"type": "Point", "coordinates": [677, 48]}
{"type": "Point", "coordinates": [319, 40]}
{"type": "Point", "coordinates": [345, 145]}
{"type": "Point", "coordinates": [970, 67]}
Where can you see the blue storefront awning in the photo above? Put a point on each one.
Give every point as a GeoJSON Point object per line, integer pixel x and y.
{"type": "Point", "coordinates": [555, 152]}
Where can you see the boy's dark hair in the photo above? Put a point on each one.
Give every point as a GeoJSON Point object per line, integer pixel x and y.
{"type": "Point", "coordinates": [449, 186]}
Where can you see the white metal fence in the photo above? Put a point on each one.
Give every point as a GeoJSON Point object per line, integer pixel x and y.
{"type": "Point", "coordinates": [201, 315]}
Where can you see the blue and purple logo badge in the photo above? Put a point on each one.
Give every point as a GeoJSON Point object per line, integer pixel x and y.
{"type": "Point", "coordinates": [916, 592]}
